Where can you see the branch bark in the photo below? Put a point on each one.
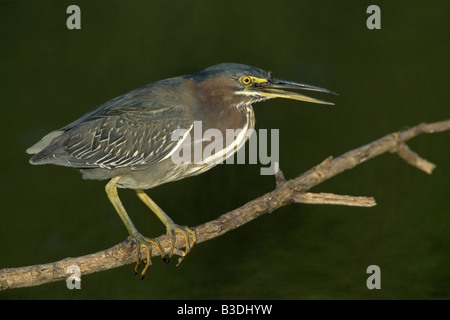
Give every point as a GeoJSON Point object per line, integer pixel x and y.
{"type": "Point", "coordinates": [286, 192]}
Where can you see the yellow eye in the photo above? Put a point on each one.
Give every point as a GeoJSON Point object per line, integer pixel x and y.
{"type": "Point", "coordinates": [246, 80]}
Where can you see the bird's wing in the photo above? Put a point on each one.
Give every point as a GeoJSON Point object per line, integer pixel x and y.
{"type": "Point", "coordinates": [132, 136]}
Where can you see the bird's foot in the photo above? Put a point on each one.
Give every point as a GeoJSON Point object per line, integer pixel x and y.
{"type": "Point", "coordinates": [188, 234]}
{"type": "Point", "coordinates": [190, 238]}
{"type": "Point", "coordinates": [147, 244]}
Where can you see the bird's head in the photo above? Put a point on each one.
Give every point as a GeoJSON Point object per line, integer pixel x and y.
{"type": "Point", "coordinates": [245, 85]}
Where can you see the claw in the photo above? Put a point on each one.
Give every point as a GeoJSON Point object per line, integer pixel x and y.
{"type": "Point", "coordinates": [189, 241]}
{"type": "Point", "coordinates": [148, 261]}
{"type": "Point", "coordinates": [188, 234]}
{"type": "Point", "coordinates": [138, 256]}
{"type": "Point", "coordinates": [136, 267]}
{"type": "Point", "coordinates": [147, 244]}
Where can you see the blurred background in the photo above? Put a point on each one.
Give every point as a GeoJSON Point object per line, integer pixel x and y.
{"type": "Point", "coordinates": [387, 80]}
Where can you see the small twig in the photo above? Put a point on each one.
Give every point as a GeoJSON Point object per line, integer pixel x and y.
{"type": "Point", "coordinates": [279, 177]}
{"type": "Point", "coordinates": [414, 159]}
{"type": "Point", "coordinates": [286, 192]}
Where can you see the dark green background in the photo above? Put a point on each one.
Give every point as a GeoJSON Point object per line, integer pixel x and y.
{"type": "Point", "coordinates": [387, 79]}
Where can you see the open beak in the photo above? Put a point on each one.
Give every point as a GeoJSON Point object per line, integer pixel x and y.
{"type": "Point", "coordinates": [272, 89]}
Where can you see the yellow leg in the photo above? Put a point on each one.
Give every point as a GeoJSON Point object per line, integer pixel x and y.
{"type": "Point", "coordinates": [171, 227]}
{"type": "Point", "coordinates": [141, 241]}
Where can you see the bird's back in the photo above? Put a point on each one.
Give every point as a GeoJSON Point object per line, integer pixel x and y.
{"type": "Point", "coordinates": [133, 130]}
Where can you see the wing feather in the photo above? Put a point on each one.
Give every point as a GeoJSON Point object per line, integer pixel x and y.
{"type": "Point", "coordinates": [133, 130]}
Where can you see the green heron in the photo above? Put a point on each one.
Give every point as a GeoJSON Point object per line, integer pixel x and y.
{"type": "Point", "coordinates": [127, 140]}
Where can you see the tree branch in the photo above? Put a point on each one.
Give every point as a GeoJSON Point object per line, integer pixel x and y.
{"type": "Point", "coordinates": [331, 198]}
{"type": "Point", "coordinates": [286, 192]}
